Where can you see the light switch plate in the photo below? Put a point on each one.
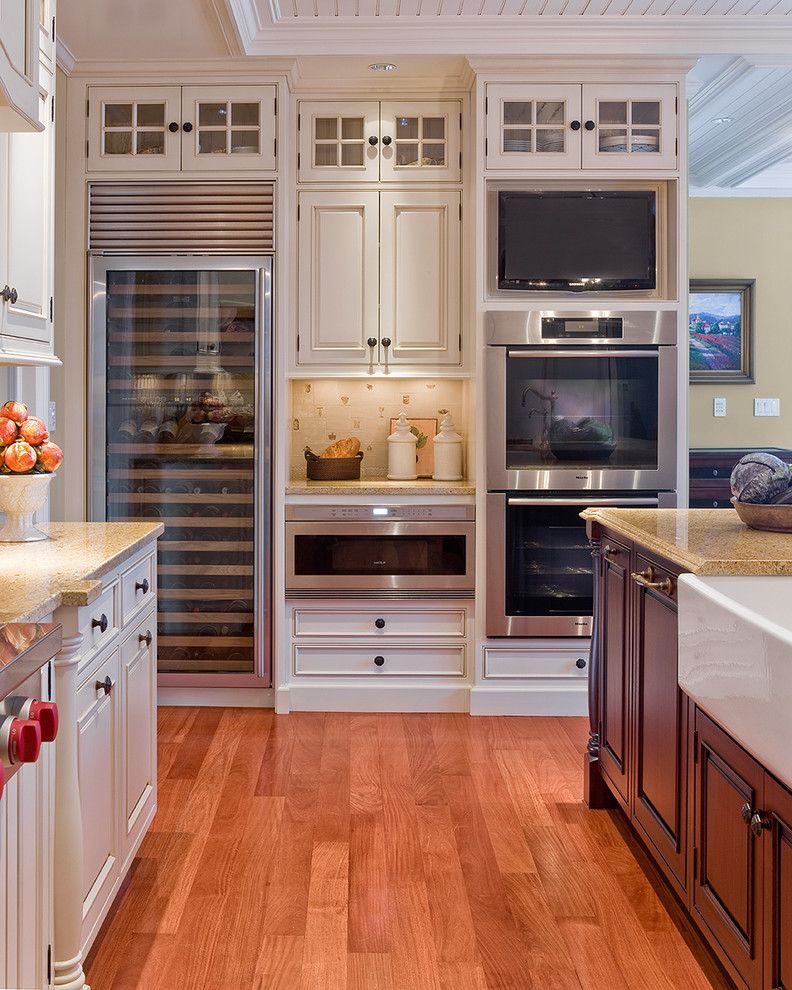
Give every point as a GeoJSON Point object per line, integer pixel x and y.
{"type": "Point", "coordinates": [767, 407]}
{"type": "Point", "coordinates": [719, 407]}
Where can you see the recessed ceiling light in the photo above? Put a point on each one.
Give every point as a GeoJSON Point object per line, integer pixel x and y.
{"type": "Point", "coordinates": [722, 120]}
{"type": "Point", "coordinates": [382, 67]}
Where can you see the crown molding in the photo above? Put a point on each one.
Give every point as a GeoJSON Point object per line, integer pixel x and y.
{"type": "Point", "coordinates": [229, 26]}
{"type": "Point", "coordinates": [188, 71]}
{"type": "Point", "coordinates": [64, 58]}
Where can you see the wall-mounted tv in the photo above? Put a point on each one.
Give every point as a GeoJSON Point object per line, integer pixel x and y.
{"type": "Point", "coordinates": [577, 241]}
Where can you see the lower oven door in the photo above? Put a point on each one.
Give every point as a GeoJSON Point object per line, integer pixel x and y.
{"type": "Point", "coordinates": [539, 574]}
{"type": "Point", "coordinates": [379, 558]}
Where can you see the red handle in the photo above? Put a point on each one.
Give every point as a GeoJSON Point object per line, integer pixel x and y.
{"type": "Point", "coordinates": [24, 740]}
{"type": "Point", "coordinates": [46, 714]}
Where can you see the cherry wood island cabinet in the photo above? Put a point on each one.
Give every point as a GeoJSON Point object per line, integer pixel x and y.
{"type": "Point", "coordinates": [716, 823]}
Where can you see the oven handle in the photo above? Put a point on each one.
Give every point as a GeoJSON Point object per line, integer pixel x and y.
{"type": "Point", "coordinates": [568, 352]}
{"type": "Point", "coordinates": [585, 501]}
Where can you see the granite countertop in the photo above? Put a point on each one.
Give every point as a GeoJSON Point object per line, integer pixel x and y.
{"type": "Point", "coordinates": [701, 541]}
{"type": "Point", "coordinates": [66, 569]}
{"type": "Point", "coordinates": [375, 486]}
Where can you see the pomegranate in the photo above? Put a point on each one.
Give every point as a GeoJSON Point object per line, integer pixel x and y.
{"type": "Point", "coordinates": [50, 456]}
{"type": "Point", "coordinates": [34, 430]}
{"type": "Point", "coordinates": [20, 457]}
{"type": "Point", "coordinates": [17, 411]}
{"type": "Point", "coordinates": [8, 430]}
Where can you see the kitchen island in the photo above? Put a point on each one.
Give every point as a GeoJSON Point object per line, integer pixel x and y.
{"type": "Point", "coordinates": [715, 821]}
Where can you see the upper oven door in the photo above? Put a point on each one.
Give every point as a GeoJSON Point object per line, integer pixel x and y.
{"type": "Point", "coordinates": [588, 418]}
{"type": "Point", "coordinates": [379, 557]}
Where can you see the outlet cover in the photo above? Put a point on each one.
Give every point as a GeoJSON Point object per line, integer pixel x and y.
{"type": "Point", "coordinates": [767, 407]}
{"type": "Point", "coordinates": [719, 407]}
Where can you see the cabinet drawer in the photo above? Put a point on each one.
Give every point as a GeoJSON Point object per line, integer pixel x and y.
{"type": "Point", "coordinates": [345, 661]}
{"type": "Point", "coordinates": [99, 621]}
{"type": "Point", "coordinates": [505, 664]}
{"type": "Point", "coordinates": [138, 587]}
{"type": "Point", "coordinates": [380, 623]}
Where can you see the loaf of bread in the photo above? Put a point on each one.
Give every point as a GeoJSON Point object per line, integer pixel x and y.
{"type": "Point", "coordinates": [343, 448]}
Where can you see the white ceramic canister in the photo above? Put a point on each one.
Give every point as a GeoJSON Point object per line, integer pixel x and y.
{"type": "Point", "coordinates": [402, 446]}
{"type": "Point", "coordinates": [447, 452]}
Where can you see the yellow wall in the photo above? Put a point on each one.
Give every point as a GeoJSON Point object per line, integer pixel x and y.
{"type": "Point", "coordinates": [747, 238]}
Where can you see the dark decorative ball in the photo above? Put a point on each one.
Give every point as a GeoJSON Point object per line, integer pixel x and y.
{"type": "Point", "coordinates": [760, 478]}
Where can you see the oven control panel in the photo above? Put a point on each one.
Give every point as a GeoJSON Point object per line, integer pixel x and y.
{"type": "Point", "coordinates": [384, 513]}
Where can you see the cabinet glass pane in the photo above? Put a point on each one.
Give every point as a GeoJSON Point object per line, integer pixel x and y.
{"type": "Point", "coordinates": [325, 154]}
{"type": "Point", "coordinates": [118, 115]}
{"type": "Point", "coordinates": [151, 114]}
{"type": "Point", "coordinates": [612, 112]}
{"type": "Point", "coordinates": [549, 139]}
{"type": "Point", "coordinates": [245, 114]}
{"type": "Point", "coordinates": [181, 423]}
{"type": "Point", "coordinates": [647, 142]}
{"type": "Point", "coordinates": [434, 129]}
{"type": "Point", "coordinates": [212, 114]}
{"type": "Point", "coordinates": [118, 143]}
{"type": "Point", "coordinates": [352, 128]}
{"type": "Point", "coordinates": [406, 154]}
{"type": "Point", "coordinates": [244, 142]}
{"type": "Point", "coordinates": [612, 141]}
{"type": "Point", "coordinates": [212, 142]}
{"type": "Point", "coordinates": [407, 128]}
{"type": "Point", "coordinates": [517, 139]}
{"type": "Point", "coordinates": [326, 128]}
{"type": "Point", "coordinates": [517, 113]}
{"type": "Point", "coordinates": [352, 154]}
{"type": "Point", "coordinates": [150, 143]}
{"type": "Point", "coordinates": [645, 112]}
{"type": "Point", "coordinates": [549, 112]}
{"type": "Point", "coordinates": [433, 154]}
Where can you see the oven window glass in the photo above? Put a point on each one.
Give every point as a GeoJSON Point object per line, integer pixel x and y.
{"type": "Point", "coordinates": [593, 412]}
{"type": "Point", "coordinates": [548, 561]}
{"type": "Point", "coordinates": [341, 555]}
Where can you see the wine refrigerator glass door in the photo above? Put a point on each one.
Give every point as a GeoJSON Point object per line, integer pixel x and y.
{"type": "Point", "coordinates": [180, 435]}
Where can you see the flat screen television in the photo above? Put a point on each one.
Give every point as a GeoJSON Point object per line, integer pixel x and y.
{"type": "Point", "coordinates": [577, 241]}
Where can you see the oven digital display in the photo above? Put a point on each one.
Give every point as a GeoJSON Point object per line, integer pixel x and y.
{"type": "Point", "coordinates": [563, 328]}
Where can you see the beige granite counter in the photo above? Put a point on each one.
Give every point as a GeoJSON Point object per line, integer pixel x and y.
{"type": "Point", "coordinates": [66, 569]}
{"type": "Point", "coordinates": [701, 541]}
{"type": "Point", "coordinates": [375, 486]}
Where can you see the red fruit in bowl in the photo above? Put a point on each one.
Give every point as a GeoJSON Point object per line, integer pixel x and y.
{"type": "Point", "coordinates": [20, 457]}
{"type": "Point", "coordinates": [34, 430]}
{"type": "Point", "coordinates": [8, 430]}
{"type": "Point", "coordinates": [50, 456]}
{"type": "Point", "coordinates": [17, 411]}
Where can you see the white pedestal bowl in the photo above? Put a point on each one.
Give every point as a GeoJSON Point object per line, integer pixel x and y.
{"type": "Point", "coordinates": [21, 496]}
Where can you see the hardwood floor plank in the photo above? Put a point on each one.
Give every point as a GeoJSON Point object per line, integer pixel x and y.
{"type": "Point", "coordinates": [369, 971]}
{"type": "Point", "coordinates": [332, 822]}
{"type": "Point", "coordinates": [365, 785]}
{"type": "Point", "coordinates": [324, 962]}
{"type": "Point", "coordinates": [369, 912]}
{"type": "Point", "coordinates": [279, 965]}
{"type": "Point", "coordinates": [413, 955]}
{"type": "Point", "coordinates": [422, 755]}
{"type": "Point", "coordinates": [190, 755]}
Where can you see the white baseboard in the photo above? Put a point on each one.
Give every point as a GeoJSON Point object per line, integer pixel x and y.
{"type": "Point", "coordinates": [375, 698]}
{"type": "Point", "coordinates": [216, 697]}
{"type": "Point", "coordinates": [533, 699]}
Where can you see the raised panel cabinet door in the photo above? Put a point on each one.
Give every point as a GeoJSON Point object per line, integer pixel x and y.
{"type": "Point", "coordinates": [139, 757]}
{"type": "Point", "coordinates": [630, 126]}
{"type": "Point", "coordinates": [727, 879]}
{"type": "Point", "coordinates": [533, 126]}
{"type": "Point", "coordinates": [134, 127]}
{"type": "Point", "coordinates": [614, 671]}
{"type": "Point", "coordinates": [338, 277]}
{"type": "Point", "coordinates": [421, 142]}
{"type": "Point", "coordinates": [420, 273]}
{"type": "Point", "coordinates": [660, 724]}
{"type": "Point", "coordinates": [777, 885]}
{"type": "Point", "coordinates": [338, 141]}
{"type": "Point", "coordinates": [97, 755]}
{"type": "Point", "coordinates": [228, 128]}
{"type": "Point", "coordinates": [19, 43]}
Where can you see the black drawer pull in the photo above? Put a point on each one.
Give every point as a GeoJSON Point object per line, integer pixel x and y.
{"type": "Point", "coordinates": [379, 661]}
{"type": "Point", "coordinates": [142, 586]}
{"type": "Point", "coordinates": [101, 623]}
{"type": "Point", "coordinates": [147, 638]}
{"type": "Point", "coordinates": [580, 663]}
{"type": "Point", "coordinates": [173, 127]}
{"type": "Point", "coordinates": [575, 125]}
{"type": "Point", "coordinates": [589, 125]}
{"type": "Point", "coordinates": [106, 685]}
{"type": "Point", "coordinates": [380, 623]}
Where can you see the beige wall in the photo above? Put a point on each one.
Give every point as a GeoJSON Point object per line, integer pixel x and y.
{"type": "Point", "coordinates": [747, 238]}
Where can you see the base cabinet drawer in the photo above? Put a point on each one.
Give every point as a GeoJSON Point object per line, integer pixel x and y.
{"type": "Point", "coordinates": [509, 664]}
{"type": "Point", "coordinates": [138, 587]}
{"type": "Point", "coordinates": [99, 621]}
{"type": "Point", "coordinates": [380, 623]}
{"type": "Point", "coordinates": [379, 660]}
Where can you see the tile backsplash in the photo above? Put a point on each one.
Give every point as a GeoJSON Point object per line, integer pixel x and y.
{"type": "Point", "coordinates": [328, 409]}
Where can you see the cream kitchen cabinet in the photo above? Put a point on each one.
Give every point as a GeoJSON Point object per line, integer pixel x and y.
{"type": "Point", "coordinates": [379, 279]}
{"type": "Point", "coordinates": [571, 126]}
{"type": "Point", "coordinates": [19, 65]}
{"type": "Point", "coordinates": [379, 142]}
{"type": "Point", "coordinates": [187, 128]}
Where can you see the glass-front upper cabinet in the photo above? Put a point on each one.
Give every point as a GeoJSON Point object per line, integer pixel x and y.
{"type": "Point", "coordinates": [631, 126]}
{"type": "Point", "coordinates": [379, 142]}
{"type": "Point", "coordinates": [177, 128]}
{"type": "Point", "coordinates": [533, 126]}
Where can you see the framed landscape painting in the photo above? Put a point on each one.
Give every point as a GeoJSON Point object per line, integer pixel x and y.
{"type": "Point", "coordinates": [721, 330]}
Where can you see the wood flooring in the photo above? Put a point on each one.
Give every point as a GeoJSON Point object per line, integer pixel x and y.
{"type": "Point", "coordinates": [386, 852]}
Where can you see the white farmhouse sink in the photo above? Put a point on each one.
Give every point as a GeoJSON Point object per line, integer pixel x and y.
{"type": "Point", "coordinates": [735, 660]}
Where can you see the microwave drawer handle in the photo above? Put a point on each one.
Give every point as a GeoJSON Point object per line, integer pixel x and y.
{"type": "Point", "coordinates": [614, 502]}
{"type": "Point", "coordinates": [565, 352]}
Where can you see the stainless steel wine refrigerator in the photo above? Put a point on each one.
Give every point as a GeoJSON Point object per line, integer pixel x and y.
{"type": "Point", "coordinates": [180, 432]}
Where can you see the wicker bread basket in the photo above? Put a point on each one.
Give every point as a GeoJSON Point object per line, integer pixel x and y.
{"type": "Point", "coordinates": [332, 468]}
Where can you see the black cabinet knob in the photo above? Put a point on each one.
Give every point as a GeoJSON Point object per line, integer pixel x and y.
{"type": "Point", "coordinates": [387, 140]}
{"type": "Point", "coordinates": [589, 125]}
{"type": "Point", "coordinates": [8, 294]}
{"type": "Point", "coordinates": [386, 341]}
{"type": "Point", "coordinates": [101, 623]}
{"type": "Point", "coordinates": [187, 126]}
{"type": "Point", "coordinates": [580, 663]}
{"type": "Point", "coordinates": [173, 127]}
{"type": "Point", "coordinates": [373, 140]}
{"type": "Point", "coordinates": [146, 639]}
{"type": "Point", "coordinates": [575, 125]}
{"type": "Point", "coordinates": [106, 685]}
{"type": "Point", "coordinates": [372, 341]}
{"type": "Point", "coordinates": [379, 661]}
{"type": "Point", "coordinates": [380, 623]}
{"type": "Point", "coordinates": [142, 586]}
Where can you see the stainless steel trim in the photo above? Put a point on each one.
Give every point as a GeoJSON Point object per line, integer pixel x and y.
{"type": "Point", "coordinates": [262, 524]}
{"type": "Point", "coordinates": [411, 595]}
{"type": "Point", "coordinates": [567, 352]}
{"type": "Point", "coordinates": [584, 501]}
{"type": "Point", "coordinates": [513, 328]}
{"type": "Point", "coordinates": [350, 513]}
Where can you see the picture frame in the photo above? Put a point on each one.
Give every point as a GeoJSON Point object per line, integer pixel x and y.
{"type": "Point", "coordinates": [721, 330]}
{"type": "Point", "coordinates": [424, 464]}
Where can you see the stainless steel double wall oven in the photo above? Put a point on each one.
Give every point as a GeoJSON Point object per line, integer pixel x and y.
{"type": "Point", "coordinates": [581, 410]}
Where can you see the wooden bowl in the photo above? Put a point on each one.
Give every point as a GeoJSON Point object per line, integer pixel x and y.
{"type": "Point", "coordinates": [771, 518]}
